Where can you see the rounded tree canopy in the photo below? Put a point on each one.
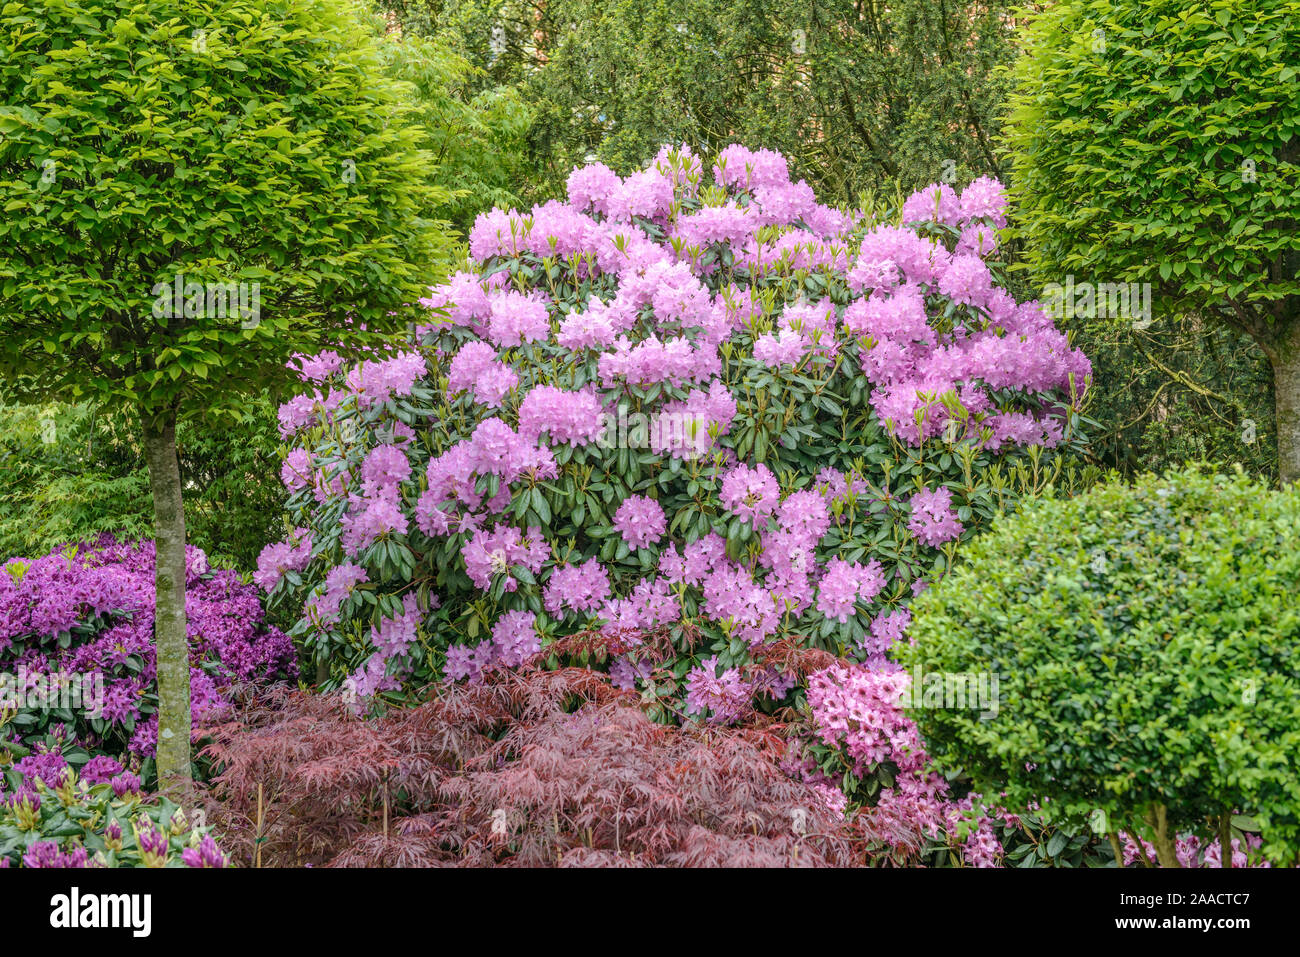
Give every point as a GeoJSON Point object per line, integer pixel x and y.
{"type": "Point", "coordinates": [1156, 141]}
{"type": "Point", "coordinates": [195, 191]}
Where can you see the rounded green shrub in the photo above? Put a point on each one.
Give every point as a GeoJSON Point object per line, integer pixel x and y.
{"type": "Point", "coordinates": [1146, 642]}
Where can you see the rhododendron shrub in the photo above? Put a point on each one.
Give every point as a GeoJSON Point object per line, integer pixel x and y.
{"type": "Point", "coordinates": [687, 403]}
{"type": "Point", "coordinates": [51, 817]}
{"type": "Point", "coordinates": [77, 647]}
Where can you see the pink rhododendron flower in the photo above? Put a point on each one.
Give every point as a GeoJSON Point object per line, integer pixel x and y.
{"type": "Point", "coordinates": [576, 588]}
{"type": "Point", "coordinates": [933, 520]}
{"type": "Point", "coordinates": [934, 204]}
{"type": "Point", "coordinates": [640, 520]}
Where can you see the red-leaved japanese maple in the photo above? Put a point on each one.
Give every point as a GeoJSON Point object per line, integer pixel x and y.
{"type": "Point", "coordinates": [527, 769]}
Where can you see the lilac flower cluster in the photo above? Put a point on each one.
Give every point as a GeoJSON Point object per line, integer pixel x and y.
{"type": "Point", "coordinates": [751, 494]}
{"type": "Point", "coordinates": [495, 553]}
{"type": "Point", "coordinates": [476, 368]}
{"type": "Point", "coordinates": [640, 520]}
{"type": "Point", "coordinates": [207, 854]}
{"type": "Point", "coordinates": [576, 588]}
{"type": "Point", "coordinates": [514, 641]}
{"type": "Point", "coordinates": [723, 697]}
{"type": "Point", "coordinates": [933, 520]}
{"type": "Point", "coordinates": [809, 359]}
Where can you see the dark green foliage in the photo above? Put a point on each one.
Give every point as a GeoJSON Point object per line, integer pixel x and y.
{"type": "Point", "coordinates": [92, 824]}
{"type": "Point", "coordinates": [233, 504]}
{"type": "Point", "coordinates": [476, 136]}
{"type": "Point", "coordinates": [68, 474]}
{"type": "Point", "coordinates": [1178, 390]}
{"type": "Point", "coordinates": [857, 96]}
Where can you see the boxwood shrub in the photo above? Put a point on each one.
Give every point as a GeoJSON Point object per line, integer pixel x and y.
{"type": "Point", "coordinates": [1145, 640]}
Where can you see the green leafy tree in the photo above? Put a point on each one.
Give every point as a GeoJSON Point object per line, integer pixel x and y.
{"type": "Point", "coordinates": [1155, 142]}
{"type": "Point", "coordinates": [248, 154]}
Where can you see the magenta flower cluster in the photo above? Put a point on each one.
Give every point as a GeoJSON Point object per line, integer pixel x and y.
{"type": "Point", "coordinates": [85, 613]}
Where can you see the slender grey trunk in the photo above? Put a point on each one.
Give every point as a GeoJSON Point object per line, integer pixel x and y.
{"type": "Point", "coordinates": [169, 615]}
{"type": "Point", "coordinates": [1286, 388]}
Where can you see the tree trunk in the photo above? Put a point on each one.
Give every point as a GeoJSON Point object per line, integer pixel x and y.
{"type": "Point", "coordinates": [1286, 387]}
{"type": "Point", "coordinates": [1165, 838]}
{"type": "Point", "coordinates": [1225, 838]}
{"type": "Point", "coordinates": [173, 653]}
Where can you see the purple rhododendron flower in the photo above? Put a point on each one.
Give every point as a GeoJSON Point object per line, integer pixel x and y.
{"type": "Point", "coordinates": [105, 591]}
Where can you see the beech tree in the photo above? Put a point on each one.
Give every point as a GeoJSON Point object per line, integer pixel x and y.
{"type": "Point", "coordinates": [194, 191]}
{"type": "Point", "coordinates": [1157, 142]}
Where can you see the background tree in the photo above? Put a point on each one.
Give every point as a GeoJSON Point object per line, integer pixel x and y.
{"type": "Point", "coordinates": [1180, 389]}
{"type": "Point", "coordinates": [857, 95]}
{"type": "Point", "coordinates": [71, 473]}
{"type": "Point", "coordinates": [879, 97]}
{"type": "Point", "coordinates": [477, 134]}
{"type": "Point", "coordinates": [68, 475]}
{"type": "Point", "coordinates": [1156, 142]}
{"type": "Point", "coordinates": [247, 142]}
